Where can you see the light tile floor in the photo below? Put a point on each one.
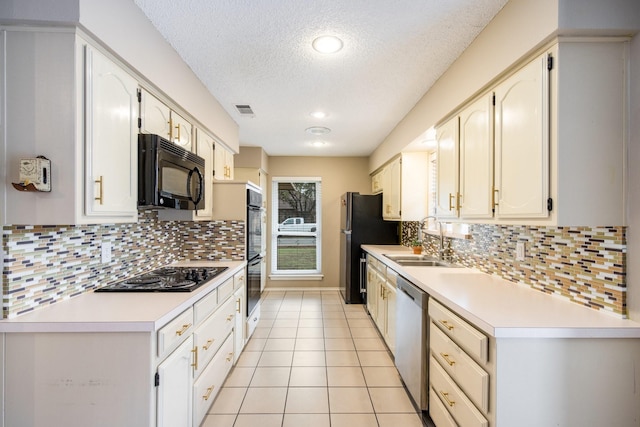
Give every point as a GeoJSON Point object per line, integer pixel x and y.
{"type": "Point", "coordinates": [313, 361]}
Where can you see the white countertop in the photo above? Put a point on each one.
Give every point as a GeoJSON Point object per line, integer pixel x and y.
{"type": "Point", "coordinates": [118, 311]}
{"type": "Point", "coordinates": [505, 309]}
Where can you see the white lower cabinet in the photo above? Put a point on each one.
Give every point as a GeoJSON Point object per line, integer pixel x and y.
{"type": "Point", "coordinates": [381, 299]}
{"type": "Point", "coordinates": [453, 398]}
{"type": "Point", "coordinates": [208, 385]}
{"type": "Point", "coordinates": [458, 368]}
{"type": "Point", "coordinates": [174, 387]}
{"type": "Point", "coordinates": [438, 413]}
{"type": "Point", "coordinates": [240, 306]}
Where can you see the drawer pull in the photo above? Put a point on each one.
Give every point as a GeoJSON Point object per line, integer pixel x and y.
{"type": "Point", "coordinates": [238, 305]}
{"type": "Point", "coordinates": [445, 356]}
{"type": "Point", "coordinates": [229, 317]}
{"type": "Point", "coordinates": [446, 324]}
{"type": "Point", "coordinates": [207, 345]}
{"type": "Point", "coordinates": [207, 395]}
{"type": "Point", "coordinates": [229, 357]}
{"type": "Point", "coordinates": [183, 330]}
{"type": "Point", "coordinates": [195, 358]}
{"type": "Point", "coordinates": [445, 396]}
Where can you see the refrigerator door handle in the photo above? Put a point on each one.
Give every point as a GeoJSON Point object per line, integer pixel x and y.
{"type": "Point", "coordinates": [363, 275]}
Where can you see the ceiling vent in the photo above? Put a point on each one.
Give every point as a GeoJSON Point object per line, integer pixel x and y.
{"type": "Point", "coordinates": [245, 110]}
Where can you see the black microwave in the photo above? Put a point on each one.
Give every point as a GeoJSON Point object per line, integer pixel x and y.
{"type": "Point", "coordinates": [168, 175]}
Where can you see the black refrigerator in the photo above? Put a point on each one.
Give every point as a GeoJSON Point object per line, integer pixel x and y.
{"type": "Point", "coordinates": [360, 223]}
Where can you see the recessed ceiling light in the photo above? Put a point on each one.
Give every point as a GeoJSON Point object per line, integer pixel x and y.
{"type": "Point", "coordinates": [317, 130]}
{"type": "Point", "coordinates": [327, 44]}
{"type": "Point", "coordinates": [318, 114]}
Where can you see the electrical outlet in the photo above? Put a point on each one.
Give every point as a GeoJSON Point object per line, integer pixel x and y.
{"type": "Point", "coordinates": [106, 252]}
{"type": "Point", "coordinates": [520, 251]}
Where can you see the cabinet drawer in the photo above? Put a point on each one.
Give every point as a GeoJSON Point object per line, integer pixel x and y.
{"type": "Point", "coordinates": [454, 399]}
{"type": "Point", "coordinates": [174, 332]}
{"type": "Point", "coordinates": [238, 280]}
{"type": "Point", "coordinates": [206, 388]}
{"type": "Point", "coordinates": [466, 336]}
{"type": "Point", "coordinates": [438, 413]}
{"type": "Point", "coordinates": [225, 290]}
{"type": "Point", "coordinates": [252, 322]}
{"type": "Point", "coordinates": [203, 308]}
{"type": "Point", "coordinates": [462, 368]}
{"type": "Point", "coordinates": [209, 336]}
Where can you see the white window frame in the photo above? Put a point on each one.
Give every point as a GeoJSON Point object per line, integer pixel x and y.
{"type": "Point", "coordinates": [312, 274]}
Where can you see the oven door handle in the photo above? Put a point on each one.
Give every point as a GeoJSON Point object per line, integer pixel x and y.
{"type": "Point", "coordinates": [200, 185]}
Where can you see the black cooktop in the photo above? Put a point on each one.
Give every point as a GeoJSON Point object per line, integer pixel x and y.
{"type": "Point", "coordinates": [166, 279]}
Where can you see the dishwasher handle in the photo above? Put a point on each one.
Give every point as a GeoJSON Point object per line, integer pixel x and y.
{"type": "Point", "coordinates": [418, 296]}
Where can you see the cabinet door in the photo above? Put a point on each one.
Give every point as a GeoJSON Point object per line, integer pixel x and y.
{"type": "Point", "coordinates": [372, 292]}
{"type": "Point", "coordinates": [111, 140]}
{"type": "Point", "coordinates": [181, 131]}
{"type": "Point", "coordinates": [376, 183]}
{"type": "Point", "coordinates": [174, 391]}
{"type": "Point", "coordinates": [522, 143]}
{"type": "Point", "coordinates": [381, 317]}
{"type": "Point", "coordinates": [447, 197]}
{"type": "Point", "coordinates": [239, 329]}
{"type": "Point", "coordinates": [390, 326]}
{"type": "Point", "coordinates": [391, 195]}
{"type": "Point", "coordinates": [154, 116]}
{"type": "Point", "coordinates": [205, 149]}
{"type": "Point", "coordinates": [223, 163]}
{"type": "Point", "coordinates": [476, 159]}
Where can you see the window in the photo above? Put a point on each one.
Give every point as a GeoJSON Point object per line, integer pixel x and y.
{"type": "Point", "coordinates": [295, 226]}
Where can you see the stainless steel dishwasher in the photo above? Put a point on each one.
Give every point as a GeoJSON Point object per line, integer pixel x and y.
{"type": "Point", "coordinates": [412, 349]}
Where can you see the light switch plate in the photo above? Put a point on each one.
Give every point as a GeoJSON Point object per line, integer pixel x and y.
{"type": "Point", "coordinates": [106, 252]}
{"type": "Point", "coordinates": [520, 251]}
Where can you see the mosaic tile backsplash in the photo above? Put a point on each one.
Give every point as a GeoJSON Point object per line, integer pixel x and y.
{"type": "Point", "coordinates": [583, 264]}
{"type": "Point", "coordinates": [46, 264]}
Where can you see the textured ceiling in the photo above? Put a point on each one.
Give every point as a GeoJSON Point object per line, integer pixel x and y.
{"type": "Point", "coordinates": [258, 52]}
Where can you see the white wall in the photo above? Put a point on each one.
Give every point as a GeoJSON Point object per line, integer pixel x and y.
{"type": "Point", "coordinates": [339, 175]}
{"type": "Point", "coordinates": [633, 187]}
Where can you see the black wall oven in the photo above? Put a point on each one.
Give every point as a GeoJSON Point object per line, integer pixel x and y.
{"type": "Point", "coordinates": [254, 249]}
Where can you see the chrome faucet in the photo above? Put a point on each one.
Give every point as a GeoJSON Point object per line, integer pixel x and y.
{"type": "Point", "coordinates": [441, 250]}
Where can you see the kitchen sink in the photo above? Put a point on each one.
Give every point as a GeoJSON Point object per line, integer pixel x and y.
{"type": "Point", "coordinates": [422, 263]}
{"type": "Point", "coordinates": [410, 260]}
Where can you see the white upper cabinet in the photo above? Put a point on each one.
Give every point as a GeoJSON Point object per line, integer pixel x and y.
{"type": "Point", "coordinates": [154, 116]}
{"type": "Point", "coordinates": [522, 143]}
{"type": "Point", "coordinates": [181, 132]}
{"type": "Point", "coordinates": [392, 194]}
{"type": "Point", "coordinates": [110, 138]}
{"type": "Point", "coordinates": [405, 182]}
{"type": "Point", "coordinates": [205, 147]}
{"type": "Point", "coordinates": [82, 116]}
{"type": "Point", "coordinates": [158, 119]}
{"type": "Point", "coordinates": [476, 159]}
{"type": "Point", "coordinates": [223, 163]}
{"type": "Point", "coordinates": [447, 194]}
{"type": "Point", "coordinates": [542, 146]}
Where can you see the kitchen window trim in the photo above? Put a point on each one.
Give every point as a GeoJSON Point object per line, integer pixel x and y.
{"type": "Point", "coordinates": [303, 275]}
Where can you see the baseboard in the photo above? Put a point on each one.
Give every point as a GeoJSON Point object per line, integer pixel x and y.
{"type": "Point", "coordinates": [299, 289]}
